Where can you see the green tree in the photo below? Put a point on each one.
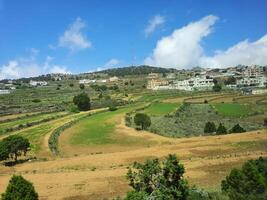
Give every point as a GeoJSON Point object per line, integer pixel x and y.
{"type": "Point", "coordinates": [237, 129]}
{"type": "Point", "coordinates": [221, 129]}
{"type": "Point", "coordinates": [158, 180]}
{"type": "Point", "coordinates": [13, 146]}
{"type": "Point", "coordinates": [143, 120]}
{"type": "Point", "coordinates": [217, 87]}
{"type": "Point", "coordinates": [71, 85]}
{"type": "Point", "coordinates": [82, 101]}
{"type": "Point", "coordinates": [81, 86]}
{"type": "Point", "coordinates": [19, 189]}
{"type": "Point", "coordinates": [209, 127]}
{"type": "Point", "coordinates": [265, 122]}
{"type": "Point", "coordinates": [247, 183]}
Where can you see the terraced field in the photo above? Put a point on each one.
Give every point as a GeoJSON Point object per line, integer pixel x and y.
{"type": "Point", "coordinates": [97, 150]}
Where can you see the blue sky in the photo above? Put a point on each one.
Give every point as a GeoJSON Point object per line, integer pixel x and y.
{"type": "Point", "coordinates": [79, 36]}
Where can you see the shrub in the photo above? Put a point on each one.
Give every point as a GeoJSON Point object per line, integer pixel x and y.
{"type": "Point", "coordinates": [82, 101]}
{"type": "Point", "coordinates": [209, 127]}
{"type": "Point", "coordinates": [221, 129]}
{"type": "Point", "coordinates": [143, 120]}
{"type": "Point", "coordinates": [237, 129]}
{"type": "Point", "coordinates": [247, 183]}
{"type": "Point", "coordinates": [36, 100]}
{"type": "Point", "coordinates": [112, 108]}
{"type": "Point", "coordinates": [81, 86]}
{"type": "Point", "coordinates": [158, 180]}
{"type": "Point", "coordinates": [217, 87]}
{"type": "Point", "coordinates": [265, 122]}
{"type": "Point", "coordinates": [71, 85]}
{"type": "Point", "coordinates": [19, 188]}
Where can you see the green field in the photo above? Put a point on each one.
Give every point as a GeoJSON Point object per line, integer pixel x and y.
{"type": "Point", "coordinates": [232, 109]}
{"type": "Point", "coordinates": [159, 108]}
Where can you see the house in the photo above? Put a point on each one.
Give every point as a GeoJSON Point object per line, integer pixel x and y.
{"type": "Point", "coordinates": [253, 71]}
{"type": "Point", "coordinates": [4, 92]}
{"type": "Point", "coordinates": [86, 81]}
{"type": "Point", "coordinates": [113, 79]}
{"type": "Point", "coordinates": [155, 84]}
{"type": "Point", "coordinates": [197, 83]}
{"type": "Point", "coordinates": [153, 76]}
{"type": "Point", "coordinates": [248, 81]}
{"type": "Point", "coordinates": [38, 83]}
{"type": "Point", "coordinates": [259, 91]}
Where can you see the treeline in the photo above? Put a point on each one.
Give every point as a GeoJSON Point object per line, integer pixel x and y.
{"type": "Point", "coordinates": [136, 70]}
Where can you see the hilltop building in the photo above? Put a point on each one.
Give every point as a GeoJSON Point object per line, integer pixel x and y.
{"type": "Point", "coordinates": [255, 82]}
{"type": "Point", "coordinates": [253, 71]}
{"type": "Point", "coordinates": [86, 81]}
{"type": "Point", "coordinates": [38, 83]}
{"type": "Point", "coordinates": [113, 79]}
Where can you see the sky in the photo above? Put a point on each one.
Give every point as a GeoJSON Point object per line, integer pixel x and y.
{"type": "Point", "coordinates": [74, 36]}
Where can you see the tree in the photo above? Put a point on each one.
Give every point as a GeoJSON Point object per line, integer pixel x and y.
{"type": "Point", "coordinates": [217, 87]}
{"type": "Point", "coordinates": [81, 86]}
{"type": "Point", "coordinates": [247, 183]}
{"type": "Point", "coordinates": [158, 180]}
{"type": "Point", "coordinates": [82, 101]}
{"type": "Point", "coordinates": [13, 146]}
{"type": "Point", "coordinates": [221, 129]}
{"type": "Point", "coordinates": [71, 84]}
{"type": "Point", "coordinates": [237, 129]}
{"type": "Point", "coordinates": [209, 127]}
{"type": "Point", "coordinates": [143, 120]}
{"type": "Point", "coordinates": [19, 189]}
{"type": "Point", "coordinates": [265, 122]}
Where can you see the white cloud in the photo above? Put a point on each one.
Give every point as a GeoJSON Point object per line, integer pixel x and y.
{"type": "Point", "coordinates": [28, 67]}
{"type": "Point", "coordinates": [154, 23]}
{"type": "Point", "coordinates": [73, 38]}
{"type": "Point", "coordinates": [244, 52]}
{"type": "Point", "coordinates": [110, 64]}
{"type": "Point", "coordinates": [182, 48]}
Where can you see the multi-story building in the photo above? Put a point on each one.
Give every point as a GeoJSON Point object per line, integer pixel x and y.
{"type": "Point", "coordinates": [86, 81]}
{"type": "Point", "coordinates": [194, 84]}
{"type": "Point", "coordinates": [255, 82]}
{"type": "Point", "coordinates": [38, 83]}
{"type": "Point", "coordinates": [253, 71]}
{"type": "Point", "coordinates": [155, 84]}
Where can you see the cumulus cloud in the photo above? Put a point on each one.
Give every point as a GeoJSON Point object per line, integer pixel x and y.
{"type": "Point", "coordinates": [28, 67]}
{"type": "Point", "coordinates": [153, 24]}
{"type": "Point", "coordinates": [244, 52]}
{"type": "Point", "coordinates": [73, 38]}
{"type": "Point", "coordinates": [182, 49]}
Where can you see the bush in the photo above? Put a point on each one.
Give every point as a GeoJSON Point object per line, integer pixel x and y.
{"type": "Point", "coordinates": [112, 108]}
{"type": "Point", "coordinates": [20, 189]}
{"type": "Point", "coordinates": [247, 183]}
{"type": "Point", "coordinates": [209, 127]}
{"type": "Point", "coordinates": [237, 129]}
{"type": "Point", "coordinates": [143, 120]}
{"type": "Point", "coordinates": [71, 85]}
{"type": "Point", "coordinates": [158, 180]}
{"type": "Point", "coordinates": [82, 101]}
{"type": "Point", "coordinates": [221, 129]}
{"type": "Point", "coordinates": [81, 86]}
{"type": "Point", "coordinates": [217, 87]}
{"type": "Point", "coordinates": [36, 100]}
{"type": "Point", "coordinates": [265, 122]}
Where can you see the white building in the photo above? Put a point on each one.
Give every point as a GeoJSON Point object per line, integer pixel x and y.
{"type": "Point", "coordinates": [194, 84]}
{"type": "Point", "coordinates": [86, 81]}
{"type": "Point", "coordinates": [253, 71]}
{"type": "Point", "coordinates": [113, 79]}
{"type": "Point", "coordinates": [4, 92]}
{"type": "Point", "coordinates": [259, 91]}
{"type": "Point", "coordinates": [38, 83]}
{"type": "Point", "coordinates": [247, 81]}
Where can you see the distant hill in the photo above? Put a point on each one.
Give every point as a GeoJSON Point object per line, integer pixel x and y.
{"type": "Point", "coordinates": [136, 70]}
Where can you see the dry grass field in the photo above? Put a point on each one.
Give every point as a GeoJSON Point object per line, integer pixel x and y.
{"type": "Point", "coordinates": [93, 166]}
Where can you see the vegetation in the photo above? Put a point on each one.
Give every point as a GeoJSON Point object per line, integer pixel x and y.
{"type": "Point", "coordinates": [156, 180]}
{"type": "Point", "coordinates": [82, 86]}
{"type": "Point", "coordinates": [82, 101]}
{"type": "Point", "coordinates": [221, 129]}
{"type": "Point", "coordinates": [210, 127]}
{"type": "Point", "coordinates": [143, 120]}
{"type": "Point", "coordinates": [159, 108]}
{"type": "Point", "coordinates": [249, 182]}
{"type": "Point", "coordinates": [232, 109]}
{"type": "Point", "coordinates": [19, 189]}
{"type": "Point", "coordinates": [13, 146]}
{"type": "Point", "coordinates": [237, 129]}
{"type": "Point", "coordinates": [217, 87]}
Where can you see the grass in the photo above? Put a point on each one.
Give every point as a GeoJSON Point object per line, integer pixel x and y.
{"type": "Point", "coordinates": [100, 129]}
{"type": "Point", "coordinates": [232, 109]}
{"type": "Point", "coordinates": [159, 108]}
